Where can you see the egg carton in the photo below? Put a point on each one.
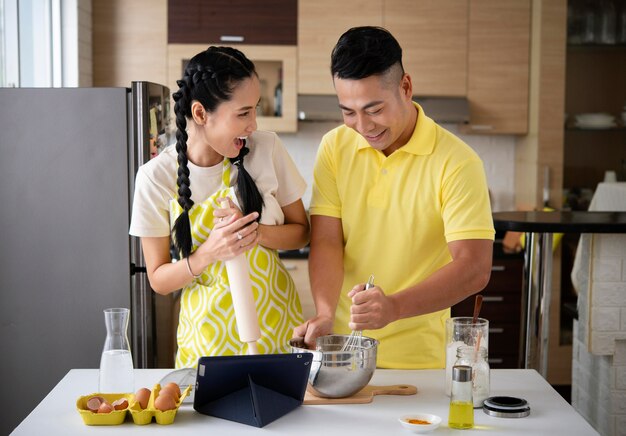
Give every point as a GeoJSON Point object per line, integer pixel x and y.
{"type": "Point", "coordinates": [140, 416]}
{"type": "Point", "coordinates": [144, 416]}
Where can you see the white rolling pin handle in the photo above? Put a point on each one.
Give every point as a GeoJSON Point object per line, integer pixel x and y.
{"type": "Point", "coordinates": [252, 348]}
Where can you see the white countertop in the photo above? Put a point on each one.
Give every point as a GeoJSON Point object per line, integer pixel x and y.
{"type": "Point", "coordinates": [550, 414]}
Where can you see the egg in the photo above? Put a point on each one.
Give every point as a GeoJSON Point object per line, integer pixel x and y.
{"type": "Point", "coordinates": [173, 386]}
{"type": "Point", "coordinates": [165, 402]}
{"type": "Point", "coordinates": [105, 408]}
{"type": "Point", "coordinates": [168, 390]}
{"type": "Point", "coordinates": [142, 396]}
{"type": "Point", "coordinates": [120, 404]}
{"type": "Point", "coordinates": [93, 403]}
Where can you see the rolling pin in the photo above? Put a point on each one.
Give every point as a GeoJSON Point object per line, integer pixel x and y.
{"type": "Point", "coordinates": [243, 300]}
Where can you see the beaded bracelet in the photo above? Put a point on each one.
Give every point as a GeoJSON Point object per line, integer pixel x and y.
{"type": "Point", "coordinates": [190, 271]}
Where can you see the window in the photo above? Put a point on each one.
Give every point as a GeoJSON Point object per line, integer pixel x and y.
{"type": "Point", "coordinates": [36, 37]}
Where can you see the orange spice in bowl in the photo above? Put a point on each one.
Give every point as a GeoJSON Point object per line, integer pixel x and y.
{"type": "Point", "coordinates": [418, 421]}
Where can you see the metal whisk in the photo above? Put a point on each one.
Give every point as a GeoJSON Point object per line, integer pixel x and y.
{"type": "Point", "coordinates": [354, 342]}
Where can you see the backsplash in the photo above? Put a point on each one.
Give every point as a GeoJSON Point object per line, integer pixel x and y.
{"type": "Point", "coordinates": [496, 151]}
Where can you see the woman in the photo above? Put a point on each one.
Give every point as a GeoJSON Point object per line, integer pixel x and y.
{"type": "Point", "coordinates": [179, 197]}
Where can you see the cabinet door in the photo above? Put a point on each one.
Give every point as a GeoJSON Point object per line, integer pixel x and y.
{"type": "Point", "coordinates": [499, 50]}
{"type": "Point", "coordinates": [320, 24]}
{"type": "Point", "coordinates": [270, 22]}
{"type": "Point", "coordinates": [433, 36]}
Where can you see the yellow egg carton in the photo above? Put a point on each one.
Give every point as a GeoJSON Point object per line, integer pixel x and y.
{"type": "Point", "coordinates": [115, 417]}
{"type": "Point", "coordinates": [140, 416]}
{"type": "Point", "coordinates": [144, 416]}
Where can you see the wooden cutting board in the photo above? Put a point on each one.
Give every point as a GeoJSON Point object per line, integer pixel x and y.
{"type": "Point", "coordinates": [365, 395]}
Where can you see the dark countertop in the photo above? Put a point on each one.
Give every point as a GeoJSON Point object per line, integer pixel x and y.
{"type": "Point", "coordinates": [302, 253]}
{"type": "Point", "coordinates": [561, 222]}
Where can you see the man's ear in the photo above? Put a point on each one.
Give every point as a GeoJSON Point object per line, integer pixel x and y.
{"type": "Point", "coordinates": [406, 86]}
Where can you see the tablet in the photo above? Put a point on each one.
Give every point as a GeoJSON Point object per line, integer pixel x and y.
{"type": "Point", "coordinates": [253, 390]}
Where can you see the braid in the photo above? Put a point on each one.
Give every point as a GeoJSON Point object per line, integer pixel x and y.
{"type": "Point", "coordinates": [182, 226]}
{"type": "Point", "coordinates": [210, 78]}
{"type": "Point", "coordinates": [246, 188]}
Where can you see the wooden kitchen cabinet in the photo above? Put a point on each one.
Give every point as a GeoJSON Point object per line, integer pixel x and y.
{"type": "Point", "coordinates": [594, 83]}
{"type": "Point", "coordinates": [320, 24]}
{"type": "Point", "coordinates": [273, 63]}
{"type": "Point", "coordinates": [502, 307]}
{"type": "Point", "coordinates": [498, 66]}
{"type": "Point", "coordinates": [270, 22]}
{"type": "Point", "coordinates": [433, 37]}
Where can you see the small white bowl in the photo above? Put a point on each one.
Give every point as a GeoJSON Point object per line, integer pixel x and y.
{"type": "Point", "coordinates": [420, 428]}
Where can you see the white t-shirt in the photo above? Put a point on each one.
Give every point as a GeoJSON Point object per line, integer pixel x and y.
{"type": "Point", "coordinates": [268, 162]}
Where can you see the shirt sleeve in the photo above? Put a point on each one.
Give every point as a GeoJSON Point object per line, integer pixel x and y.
{"type": "Point", "coordinates": [291, 184]}
{"type": "Point", "coordinates": [325, 199]}
{"type": "Point", "coordinates": [466, 208]}
{"type": "Point", "coordinates": [150, 215]}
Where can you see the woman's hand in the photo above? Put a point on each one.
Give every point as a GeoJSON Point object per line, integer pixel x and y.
{"type": "Point", "coordinates": [232, 235]}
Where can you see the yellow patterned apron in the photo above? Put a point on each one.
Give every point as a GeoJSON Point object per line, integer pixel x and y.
{"type": "Point", "coordinates": [207, 324]}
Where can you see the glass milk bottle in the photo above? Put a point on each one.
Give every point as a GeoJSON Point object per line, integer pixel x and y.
{"type": "Point", "coordinates": [461, 406]}
{"type": "Point", "coordinates": [477, 360]}
{"type": "Point", "coordinates": [116, 364]}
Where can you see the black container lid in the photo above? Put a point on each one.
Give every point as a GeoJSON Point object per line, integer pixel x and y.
{"type": "Point", "coordinates": [506, 407]}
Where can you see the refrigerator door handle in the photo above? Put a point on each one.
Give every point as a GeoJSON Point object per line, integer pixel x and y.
{"type": "Point", "coordinates": [136, 269]}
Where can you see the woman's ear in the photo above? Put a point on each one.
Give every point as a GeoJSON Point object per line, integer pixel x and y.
{"type": "Point", "coordinates": [198, 113]}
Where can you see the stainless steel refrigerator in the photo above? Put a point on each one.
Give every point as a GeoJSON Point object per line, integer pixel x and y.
{"type": "Point", "coordinates": [67, 167]}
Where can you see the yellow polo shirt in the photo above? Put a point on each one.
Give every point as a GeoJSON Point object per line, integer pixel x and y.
{"type": "Point", "coordinates": [398, 213]}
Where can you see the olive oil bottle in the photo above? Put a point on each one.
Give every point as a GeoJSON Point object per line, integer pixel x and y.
{"type": "Point", "coordinates": [461, 414]}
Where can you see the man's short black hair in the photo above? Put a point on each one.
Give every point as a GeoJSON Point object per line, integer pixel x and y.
{"type": "Point", "coordinates": [365, 51]}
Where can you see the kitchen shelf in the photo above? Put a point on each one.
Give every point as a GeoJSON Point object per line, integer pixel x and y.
{"type": "Point", "coordinates": [595, 130]}
{"type": "Point", "coordinates": [596, 47]}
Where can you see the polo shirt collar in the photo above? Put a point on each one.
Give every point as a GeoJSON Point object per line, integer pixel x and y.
{"type": "Point", "coordinates": [422, 141]}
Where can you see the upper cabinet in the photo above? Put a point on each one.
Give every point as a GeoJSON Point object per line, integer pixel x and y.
{"type": "Point", "coordinates": [276, 68]}
{"type": "Point", "coordinates": [320, 24]}
{"type": "Point", "coordinates": [264, 31]}
{"type": "Point", "coordinates": [433, 36]}
{"type": "Point", "coordinates": [432, 33]}
{"type": "Point", "coordinates": [498, 65]}
{"type": "Point", "coordinates": [270, 22]}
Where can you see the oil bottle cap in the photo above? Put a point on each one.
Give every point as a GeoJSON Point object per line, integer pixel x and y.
{"type": "Point", "coordinates": [462, 373]}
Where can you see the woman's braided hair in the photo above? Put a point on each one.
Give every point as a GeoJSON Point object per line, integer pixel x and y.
{"type": "Point", "coordinates": [209, 78]}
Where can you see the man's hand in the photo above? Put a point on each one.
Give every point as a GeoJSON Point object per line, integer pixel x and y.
{"type": "Point", "coordinates": [371, 309]}
{"type": "Point", "coordinates": [312, 329]}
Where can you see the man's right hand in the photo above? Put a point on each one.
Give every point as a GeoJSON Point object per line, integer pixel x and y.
{"type": "Point", "coordinates": [312, 329]}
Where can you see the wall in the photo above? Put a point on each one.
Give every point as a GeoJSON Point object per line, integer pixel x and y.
{"type": "Point", "coordinates": [129, 41]}
{"type": "Point", "coordinates": [496, 151]}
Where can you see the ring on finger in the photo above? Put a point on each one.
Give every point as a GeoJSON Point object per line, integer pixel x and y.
{"type": "Point", "coordinates": [239, 236]}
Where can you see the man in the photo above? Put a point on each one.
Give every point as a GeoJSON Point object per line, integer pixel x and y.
{"type": "Point", "coordinates": [396, 196]}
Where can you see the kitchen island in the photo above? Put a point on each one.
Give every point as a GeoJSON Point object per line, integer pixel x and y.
{"type": "Point", "coordinates": [550, 413]}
